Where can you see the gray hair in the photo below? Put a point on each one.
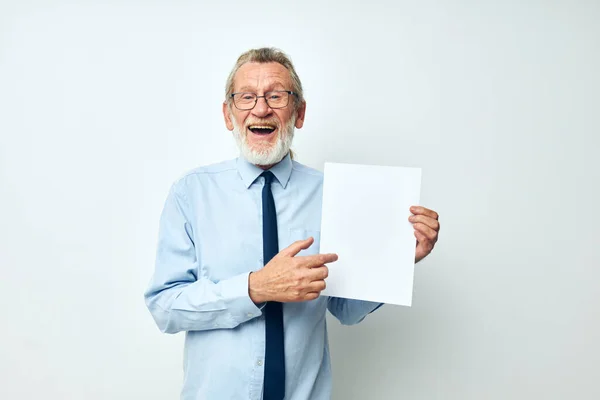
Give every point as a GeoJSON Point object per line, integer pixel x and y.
{"type": "Point", "coordinates": [266, 55]}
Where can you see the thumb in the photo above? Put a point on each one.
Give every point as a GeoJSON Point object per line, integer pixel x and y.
{"type": "Point", "coordinates": [296, 247]}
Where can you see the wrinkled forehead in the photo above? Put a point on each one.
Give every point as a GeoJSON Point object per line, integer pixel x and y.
{"type": "Point", "coordinates": [260, 77]}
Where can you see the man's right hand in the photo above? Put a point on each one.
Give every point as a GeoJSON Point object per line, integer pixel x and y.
{"type": "Point", "coordinates": [287, 278]}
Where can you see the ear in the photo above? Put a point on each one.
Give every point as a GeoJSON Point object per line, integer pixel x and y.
{"type": "Point", "coordinates": [227, 116]}
{"type": "Point", "coordinates": [300, 115]}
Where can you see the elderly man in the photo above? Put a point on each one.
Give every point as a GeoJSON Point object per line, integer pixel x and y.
{"type": "Point", "coordinates": [238, 265]}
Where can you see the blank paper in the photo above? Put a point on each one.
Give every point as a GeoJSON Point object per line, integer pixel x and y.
{"type": "Point", "coordinates": [365, 221]}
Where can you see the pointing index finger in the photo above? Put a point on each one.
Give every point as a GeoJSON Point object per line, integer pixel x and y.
{"type": "Point", "coordinates": [319, 259]}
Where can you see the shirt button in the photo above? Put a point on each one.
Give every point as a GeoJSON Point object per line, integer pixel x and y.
{"type": "Point", "coordinates": [259, 363]}
{"type": "Point", "coordinates": [250, 315]}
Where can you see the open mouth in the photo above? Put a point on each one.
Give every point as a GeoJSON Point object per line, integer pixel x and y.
{"type": "Point", "coordinates": [262, 129]}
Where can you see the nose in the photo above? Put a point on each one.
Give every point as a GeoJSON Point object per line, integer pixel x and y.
{"type": "Point", "coordinates": [261, 109]}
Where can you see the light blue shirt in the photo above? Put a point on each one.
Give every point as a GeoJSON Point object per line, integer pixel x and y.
{"type": "Point", "coordinates": [210, 239]}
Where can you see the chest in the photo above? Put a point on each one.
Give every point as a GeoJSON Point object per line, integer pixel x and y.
{"type": "Point", "coordinates": [228, 227]}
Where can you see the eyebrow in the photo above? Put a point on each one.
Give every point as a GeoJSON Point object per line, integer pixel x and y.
{"type": "Point", "coordinates": [251, 89]}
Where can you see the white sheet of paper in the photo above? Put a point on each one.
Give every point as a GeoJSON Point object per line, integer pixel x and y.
{"type": "Point", "coordinates": [365, 222]}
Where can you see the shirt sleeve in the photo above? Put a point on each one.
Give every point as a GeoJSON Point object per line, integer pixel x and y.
{"type": "Point", "coordinates": [351, 311]}
{"type": "Point", "coordinates": [180, 300]}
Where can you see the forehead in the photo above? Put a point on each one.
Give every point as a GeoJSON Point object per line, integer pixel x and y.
{"type": "Point", "coordinates": [263, 76]}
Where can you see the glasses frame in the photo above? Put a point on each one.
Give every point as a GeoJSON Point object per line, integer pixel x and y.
{"type": "Point", "coordinates": [289, 92]}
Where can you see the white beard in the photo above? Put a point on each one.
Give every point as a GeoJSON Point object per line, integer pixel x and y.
{"type": "Point", "coordinates": [270, 156]}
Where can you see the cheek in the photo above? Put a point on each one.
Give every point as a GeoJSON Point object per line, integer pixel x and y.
{"type": "Point", "coordinates": [239, 118]}
{"type": "Point", "coordinates": [284, 118]}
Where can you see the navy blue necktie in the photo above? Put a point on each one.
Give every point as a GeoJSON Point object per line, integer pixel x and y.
{"type": "Point", "coordinates": [274, 388]}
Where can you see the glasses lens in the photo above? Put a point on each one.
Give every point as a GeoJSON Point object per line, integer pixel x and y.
{"type": "Point", "coordinates": [244, 101]}
{"type": "Point", "coordinates": [278, 99]}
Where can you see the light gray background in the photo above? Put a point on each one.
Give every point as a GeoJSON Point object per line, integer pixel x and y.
{"type": "Point", "coordinates": [102, 106]}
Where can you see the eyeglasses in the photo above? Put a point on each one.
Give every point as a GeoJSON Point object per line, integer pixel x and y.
{"type": "Point", "coordinates": [274, 99]}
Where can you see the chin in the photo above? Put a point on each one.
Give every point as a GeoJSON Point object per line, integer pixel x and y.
{"type": "Point", "coordinates": [265, 154]}
{"type": "Point", "coordinates": [264, 157]}
{"type": "Point", "coordinates": [262, 149]}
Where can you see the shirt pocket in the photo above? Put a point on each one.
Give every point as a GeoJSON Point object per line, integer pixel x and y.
{"type": "Point", "coordinates": [302, 234]}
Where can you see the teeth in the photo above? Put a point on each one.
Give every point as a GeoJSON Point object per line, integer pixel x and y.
{"type": "Point", "coordinates": [261, 127]}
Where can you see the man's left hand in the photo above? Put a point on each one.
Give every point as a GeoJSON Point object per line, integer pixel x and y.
{"type": "Point", "coordinates": [427, 227]}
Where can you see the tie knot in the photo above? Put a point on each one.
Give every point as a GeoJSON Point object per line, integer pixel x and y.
{"type": "Point", "coordinates": [268, 175]}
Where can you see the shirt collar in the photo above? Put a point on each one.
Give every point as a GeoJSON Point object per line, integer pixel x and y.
{"type": "Point", "coordinates": [249, 172]}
